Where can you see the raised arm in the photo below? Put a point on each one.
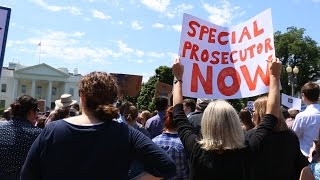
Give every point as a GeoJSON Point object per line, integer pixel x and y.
{"type": "Point", "coordinates": [177, 70]}
{"type": "Point", "coordinates": [184, 128]}
{"type": "Point", "coordinates": [273, 102]}
{"type": "Point", "coordinates": [273, 107]}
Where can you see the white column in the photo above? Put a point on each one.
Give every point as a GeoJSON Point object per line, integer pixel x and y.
{"type": "Point", "coordinates": [49, 95]}
{"type": "Point", "coordinates": [33, 88]}
{"type": "Point", "coordinates": [15, 89]}
{"type": "Point", "coordinates": [66, 86]}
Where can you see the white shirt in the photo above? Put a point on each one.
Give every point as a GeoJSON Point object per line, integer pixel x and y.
{"type": "Point", "coordinates": [306, 126]}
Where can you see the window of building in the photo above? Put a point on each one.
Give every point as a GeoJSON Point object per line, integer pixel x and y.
{"type": "Point", "coordinates": [54, 91]}
{"type": "Point", "coordinates": [23, 89]}
{"type": "Point", "coordinates": [71, 91]}
{"type": "Point", "coordinates": [2, 104]}
{"type": "Point", "coordinates": [3, 87]}
{"type": "Point", "coordinates": [39, 90]}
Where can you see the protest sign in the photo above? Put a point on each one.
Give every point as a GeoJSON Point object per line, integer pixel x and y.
{"type": "Point", "coordinates": [130, 85]}
{"type": "Point", "coordinates": [291, 102]}
{"type": "Point", "coordinates": [226, 63]}
{"type": "Point", "coordinates": [250, 105]}
{"type": "Point", "coordinates": [4, 26]}
{"type": "Point", "coordinates": [163, 89]}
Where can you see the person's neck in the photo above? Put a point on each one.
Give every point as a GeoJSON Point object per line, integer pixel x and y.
{"type": "Point", "coordinates": [131, 123]}
{"type": "Point", "coordinates": [307, 102]}
{"type": "Point", "coordinates": [84, 118]}
{"type": "Point", "coordinates": [170, 131]}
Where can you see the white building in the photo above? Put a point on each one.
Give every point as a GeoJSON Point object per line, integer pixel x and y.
{"type": "Point", "coordinates": [41, 81]}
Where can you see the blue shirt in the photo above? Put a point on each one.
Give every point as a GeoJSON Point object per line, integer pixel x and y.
{"type": "Point", "coordinates": [67, 151]}
{"type": "Point", "coordinates": [155, 124]}
{"type": "Point", "coordinates": [172, 144]}
{"type": "Point", "coordinates": [16, 138]}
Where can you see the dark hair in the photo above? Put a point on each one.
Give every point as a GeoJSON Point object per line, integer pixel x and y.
{"type": "Point", "coordinates": [168, 119]}
{"type": "Point", "coordinates": [22, 105]}
{"type": "Point", "coordinates": [100, 91]}
{"type": "Point", "coordinates": [131, 113]}
{"type": "Point", "coordinates": [246, 118]}
{"type": "Point", "coordinates": [58, 114]}
{"type": "Point", "coordinates": [76, 106]}
{"type": "Point", "coordinates": [125, 106]}
{"type": "Point", "coordinates": [7, 114]}
{"type": "Point", "coordinates": [285, 113]}
{"type": "Point", "coordinates": [161, 103]}
{"type": "Point", "coordinates": [311, 91]}
{"type": "Point", "coordinates": [190, 103]}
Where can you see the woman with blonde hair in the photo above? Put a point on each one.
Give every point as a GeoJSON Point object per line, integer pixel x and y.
{"type": "Point", "coordinates": [280, 153]}
{"type": "Point", "coordinates": [222, 152]}
{"type": "Point", "coordinates": [93, 145]}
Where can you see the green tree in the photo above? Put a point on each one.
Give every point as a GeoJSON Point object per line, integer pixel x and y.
{"type": "Point", "coordinates": [146, 98]}
{"type": "Point", "coordinates": [296, 49]}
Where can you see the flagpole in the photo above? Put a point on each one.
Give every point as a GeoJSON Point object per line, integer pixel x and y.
{"type": "Point", "coordinates": [39, 51]}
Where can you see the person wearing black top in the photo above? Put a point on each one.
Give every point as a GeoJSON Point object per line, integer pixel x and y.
{"type": "Point", "coordinates": [93, 145]}
{"type": "Point", "coordinates": [222, 152]}
{"type": "Point", "coordinates": [280, 156]}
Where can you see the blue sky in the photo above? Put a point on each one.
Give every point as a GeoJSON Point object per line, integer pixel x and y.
{"type": "Point", "coordinates": [129, 36]}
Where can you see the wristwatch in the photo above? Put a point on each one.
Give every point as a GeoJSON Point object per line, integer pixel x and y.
{"type": "Point", "coordinates": [176, 80]}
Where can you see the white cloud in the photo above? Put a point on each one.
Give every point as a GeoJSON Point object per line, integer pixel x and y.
{"type": "Point", "coordinates": [177, 27]}
{"type": "Point", "coordinates": [139, 53]}
{"type": "Point", "coordinates": [71, 9]}
{"type": "Point", "coordinates": [100, 15]}
{"type": "Point", "coordinates": [156, 54]}
{"type": "Point", "coordinates": [136, 25]}
{"type": "Point", "coordinates": [156, 5]}
{"type": "Point", "coordinates": [158, 25]}
{"type": "Point", "coordinates": [222, 14]}
{"type": "Point", "coordinates": [124, 47]}
{"type": "Point", "coordinates": [180, 9]}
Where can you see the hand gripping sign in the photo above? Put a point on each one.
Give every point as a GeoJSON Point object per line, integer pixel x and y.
{"type": "Point", "coordinates": [226, 63]}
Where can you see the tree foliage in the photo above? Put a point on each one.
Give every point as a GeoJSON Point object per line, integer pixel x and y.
{"type": "Point", "coordinates": [296, 49]}
{"type": "Point", "coordinates": [146, 98]}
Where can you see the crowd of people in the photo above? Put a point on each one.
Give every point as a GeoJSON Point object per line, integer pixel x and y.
{"type": "Point", "coordinates": [188, 139]}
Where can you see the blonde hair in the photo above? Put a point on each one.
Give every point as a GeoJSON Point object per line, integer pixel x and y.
{"type": "Point", "coordinates": [221, 128]}
{"type": "Point", "coordinates": [260, 108]}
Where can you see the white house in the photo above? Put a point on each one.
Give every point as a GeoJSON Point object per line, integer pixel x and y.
{"type": "Point", "coordinates": [41, 81]}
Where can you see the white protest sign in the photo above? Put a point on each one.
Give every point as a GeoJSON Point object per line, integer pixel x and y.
{"type": "Point", "coordinates": [4, 25]}
{"type": "Point", "coordinates": [290, 102]}
{"type": "Point", "coordinates": [226, 63]}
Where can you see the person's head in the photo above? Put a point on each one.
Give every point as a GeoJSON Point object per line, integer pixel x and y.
{"type": "Point", "coordinates": [293, 112]}
{"type": "Point", "coordinates": [65, 101]}
{"type": "Point", "coordinates": [202, 103]}
{"type": "Point", "coordinates": [310, 93]}
{"type": "Point", "coordinates": [259, 111]}
{"type": "Point", "coordinates": [161, 103]}
{"type": "Point", "coordinates": [221, 128]}
{"type": "Point", "coordinates": [144, 116]}
{"type": "Point", "coordinates": [98, 91]}
{"type": "Point", "coordinates": [189, 105]}
{"type": "Point", "coordinates": [246, 119]}
{"type": "Point", "coordinates": [25, 107]}
{"type": "Point", "coordinates": [76, 107]}
{"type": "Point", "coordinates": [168, 120]}
{"type": "Point", "coordinates": [285, 113]}
{"type": "Point", "coordinates": [124, 107]}
{"type": "Point", "coordinates": [58, 114]}
{"type": "Point", "coordinates": [131, 114]}
{"type": "Point", "coordinates": [7, 114]}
